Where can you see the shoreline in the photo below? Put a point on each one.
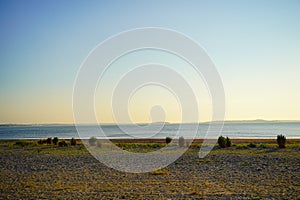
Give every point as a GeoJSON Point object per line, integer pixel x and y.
{"type": "Point", "coordinates": [162, 140]}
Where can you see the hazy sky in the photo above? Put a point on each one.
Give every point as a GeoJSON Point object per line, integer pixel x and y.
{"type": "Point", "coordinates": [254, 44]}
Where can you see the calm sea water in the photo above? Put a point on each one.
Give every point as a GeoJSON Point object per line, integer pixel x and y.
{"type": "Point", "coordinates": [232, 130]}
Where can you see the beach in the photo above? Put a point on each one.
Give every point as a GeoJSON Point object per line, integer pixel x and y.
{"type": "Point", "coordinates": [238, 172]}
{"type": "Point", "coordinates": [149, 100]}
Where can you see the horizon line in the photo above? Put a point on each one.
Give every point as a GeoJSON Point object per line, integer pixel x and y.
{"type": "Point", "coordinates": [143, 123]}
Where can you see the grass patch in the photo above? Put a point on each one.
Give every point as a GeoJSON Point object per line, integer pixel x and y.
{"type": "Point", "coordinates": [31, 146]}
{"type": "Point", "coordinates": [22, 143]}
{"type": "Point", "coordinates": [140, 147]}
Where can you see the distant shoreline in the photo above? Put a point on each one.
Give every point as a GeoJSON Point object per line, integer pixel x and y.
{"type": "Point", "coordinates": [115, 124]}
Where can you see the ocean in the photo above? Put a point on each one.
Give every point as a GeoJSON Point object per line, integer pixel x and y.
{"type": "Point", "coordinates": [230, 129]}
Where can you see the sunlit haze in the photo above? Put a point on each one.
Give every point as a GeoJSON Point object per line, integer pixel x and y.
{"type": "Point", "coordinates": [255, 46]}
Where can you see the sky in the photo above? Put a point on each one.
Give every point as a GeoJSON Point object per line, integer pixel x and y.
{"type": "Point", "coordinates": [255, 46]}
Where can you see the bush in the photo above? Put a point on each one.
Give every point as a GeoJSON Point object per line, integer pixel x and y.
{"type": "Point", "coordinates": [222, 142]}
{"type": "Point", "coordinates": [181, 141]}
{"type": "Point", "coordinates": [62, 144]}
{"type": "Point", "coordinates": [73, 142]}
{"type": "Point", "coordinates": [22, 143]}
{"type": "Point", "coordinates": [55, 140]}
{"type": "Point", "coordinates": [168, 140]}
{"type": "Point", "coordinates": [92, 141]}
{"type": "Point", "coordinates": [252, 145]}
{"type": "Point", "coordinates": [281, 140]}
{"type": "Point", "coordinates": [41, 141]}
{"type": "Point", "coordinates": [49, 140]}
{"type": "Point", "coordinates": [228, 142]}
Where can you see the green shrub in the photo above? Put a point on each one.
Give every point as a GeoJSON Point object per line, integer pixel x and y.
{"type": "Point", "coordinates": [62, 144]}
{"type": "Point", "coordinates": [92, 141]}
{"type": "Point", "coordinates": [252, 145]}
{"type": "Point", "coordinates": [73, 142]}
{"type": "Point", "coordinates": [281, 140]}
{"type": "Point", "coordinates": [181, 141]}
{"type": "Point", "coordinates": [55, 140]}
{"type": "Point", "coordinates": [222, 142]}
{"type": "Point", "coordinates": [49, 140]}
{"type": "Point", "coordinates": [22, 143]}
{"type": "Point", "coordinates": [228, 142]}
{"type": "Point", "coordinates": [168, 140]}
{"type": "Point", "coordinates": [42, 141]}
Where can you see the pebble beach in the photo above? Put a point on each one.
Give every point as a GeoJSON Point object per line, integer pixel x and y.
{"type": "Point", "coordinates": [52, 172]}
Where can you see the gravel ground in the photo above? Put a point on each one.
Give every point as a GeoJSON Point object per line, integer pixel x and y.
{"type": "Point", "coordinates": [223, 174]}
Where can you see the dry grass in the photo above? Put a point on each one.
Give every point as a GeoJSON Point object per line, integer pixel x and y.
{"type": "Point", "coordinates": [160, 172]}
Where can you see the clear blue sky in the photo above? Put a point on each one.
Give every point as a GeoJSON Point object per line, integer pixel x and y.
{"type": "Point", "coordinates": [255, 45]}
